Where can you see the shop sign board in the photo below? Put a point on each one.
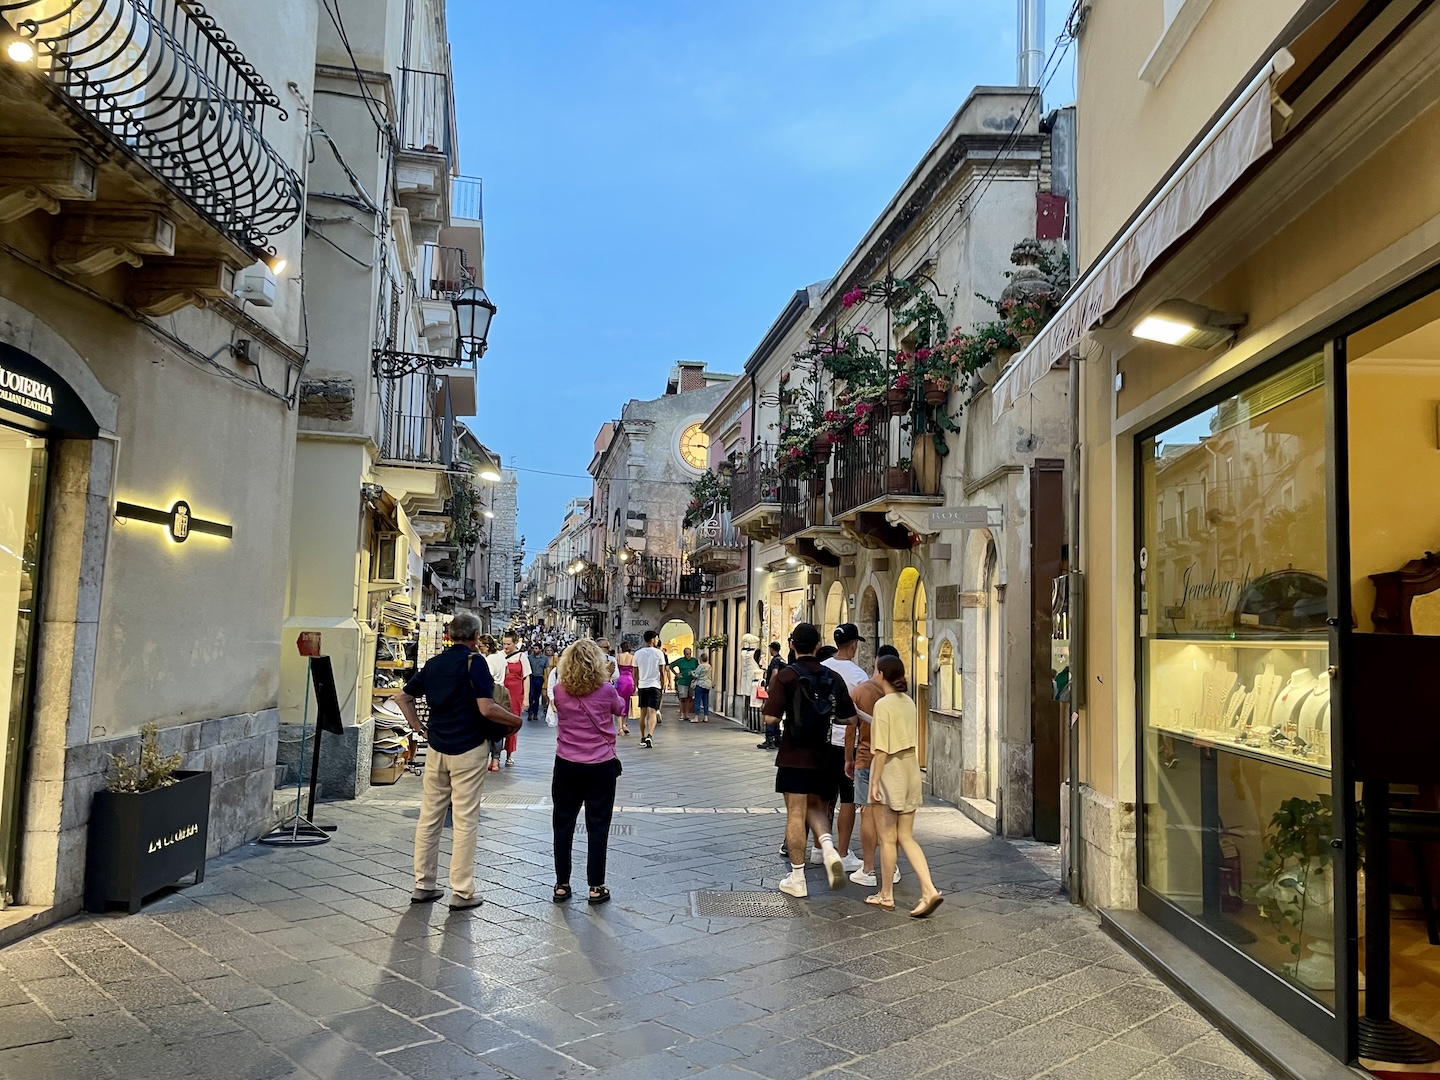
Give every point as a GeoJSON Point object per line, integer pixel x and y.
{"type": "Point", "coordinates": [31, 390]}
{"type": "Point", "coordinates": [966, 517]}
{"type": "Point", "coordinates": [733, 581]}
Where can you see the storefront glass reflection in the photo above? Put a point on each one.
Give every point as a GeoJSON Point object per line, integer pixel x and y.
{"type": "Point", "coordinates": [1231, 575]}
{"type": "Point", "coordinates": [22, 488]}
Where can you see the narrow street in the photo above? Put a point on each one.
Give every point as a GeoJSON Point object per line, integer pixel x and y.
{"type": "Point", "coordinates": [309, 963]}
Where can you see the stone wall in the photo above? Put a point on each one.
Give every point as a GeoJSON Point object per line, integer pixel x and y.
{"type": "Point", "coordinates": [344, 758]}
{"type": "Point", "coordinates": [1107, 847]}
{"type": "Point", "coordinates": [239, 752]}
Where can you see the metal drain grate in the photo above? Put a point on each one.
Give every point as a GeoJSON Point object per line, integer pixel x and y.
{"type": "Point", "coordinates": [1015, 890]}
{"type": "Point", "coordinates": [510, 800]}
{"type": "Point", "coordinates": [714, 904]}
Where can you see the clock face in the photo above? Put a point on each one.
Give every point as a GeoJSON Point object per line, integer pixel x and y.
{"type": "Point", "coordinates": [695, 448]}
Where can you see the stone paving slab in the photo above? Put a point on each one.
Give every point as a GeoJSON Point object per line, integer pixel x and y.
{"type": "Point", "coordinates": [310, 964]}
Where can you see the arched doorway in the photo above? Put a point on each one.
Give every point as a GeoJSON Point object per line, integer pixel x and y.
{"type": "Point", "coordinates": [837, 611]}
{"type": "Point", "coordinates": [869, 628]}
{"type": "Point", "coordinates": [908, 635]}
{"type": "Point", "coordinates": [676, 636]}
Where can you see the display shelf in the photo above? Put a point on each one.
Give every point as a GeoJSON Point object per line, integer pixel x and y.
{"type": "Point", "coordinates": [1217, 741]}
{"type": "Point", "coordinates": [385, 691]}
{"type": "Point", "coordinates": [394, 664]}
{"type": "Point", "coordinates": [1271, 641]}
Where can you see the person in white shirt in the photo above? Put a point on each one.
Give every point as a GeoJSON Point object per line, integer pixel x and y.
{"type": "Point", "coordinates": [649, 678]}
{"type": "Point", "coordinates": [847, 644]}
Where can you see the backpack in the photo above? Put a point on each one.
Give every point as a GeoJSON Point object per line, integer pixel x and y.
{"type": "Point", "coordinates": [812, 709]}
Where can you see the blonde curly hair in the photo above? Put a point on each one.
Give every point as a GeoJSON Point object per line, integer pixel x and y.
{"type": "Point", "coordinates": [584, 668]}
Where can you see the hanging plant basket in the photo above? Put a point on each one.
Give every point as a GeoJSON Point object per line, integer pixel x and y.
{"type": "Point", "coordinates": [820, 452]}
{"type": "Point", "coordinates": [897, 398]}
{"type": "Point", "coordinates": [935, 394]}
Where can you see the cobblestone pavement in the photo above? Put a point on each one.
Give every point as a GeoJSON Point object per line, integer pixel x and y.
{"type": "Point", "coordinates": [311, 963]}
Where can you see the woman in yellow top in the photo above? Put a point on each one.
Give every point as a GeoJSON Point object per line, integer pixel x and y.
{"type": "Point", "coordinates": [895, 791]}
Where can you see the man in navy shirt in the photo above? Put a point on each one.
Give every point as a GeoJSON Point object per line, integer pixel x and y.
{"type": "Point", "coordinates": [460, 691]}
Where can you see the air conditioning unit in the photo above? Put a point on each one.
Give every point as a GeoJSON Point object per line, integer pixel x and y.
{"type": "Point", "coordinates": [392, 560]}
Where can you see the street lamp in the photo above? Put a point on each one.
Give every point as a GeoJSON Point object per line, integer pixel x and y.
{"type": "Point", "coordinates": [473, 312]}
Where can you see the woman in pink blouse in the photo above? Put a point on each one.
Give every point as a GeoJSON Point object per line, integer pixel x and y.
{"type": "Point", "coordinates": [586, 768]}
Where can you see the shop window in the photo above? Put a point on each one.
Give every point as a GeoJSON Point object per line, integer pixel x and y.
{"type": "Point", "coordinates": [1235, 652]}
{"type": "Point", "coordinates": [947, 679]}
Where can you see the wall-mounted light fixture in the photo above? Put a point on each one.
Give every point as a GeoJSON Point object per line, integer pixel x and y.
{"type": "Point", "coordinates": [178, 520]}
{"type": "Point", "coordinates": [1190, 326]}
{"type": "Point", "coordinates": [20, 51]}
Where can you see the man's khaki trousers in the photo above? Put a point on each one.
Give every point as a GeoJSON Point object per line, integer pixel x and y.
{"type": "Point", "coordinates": [452, 781]}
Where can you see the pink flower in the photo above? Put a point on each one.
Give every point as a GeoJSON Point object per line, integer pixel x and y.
{"type": "Point", "coordinates": [862, 409]}
{"type": "Point", "coordinates": [863, 330]}
{"type": "Point", "coordinates": [922, 354]}
{"type": "Point", "coordinates": [853, 297]}
{"type": "Point", "coordinates": [831, 416]}
{"type": "Point", "coordinates": [861, 428]}
{"type": "Point", "coordinates": [902, 381]}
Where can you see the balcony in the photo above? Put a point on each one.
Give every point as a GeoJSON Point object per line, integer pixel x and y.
{"type": "Point", "coordinates": [755, 494]}
{"type": "Point", "coordinates": [715, 546]}
{"type": "Point", "coordinates": [425, 150]}
{"type": "Point", "coordinates": [666, 577]}
{"type": "Point", "coordinates": [466, 199]}
{"type": "Point", "coordinates": [441, 272]}
{"type": "Point", "coordinates": [157, 82]}
{"type": "Point", "coordinates": [417, 419]}
{"type": "Point", "coordinates": [882, 482]}
{"type": "Point", "coordinates": [592, 591]}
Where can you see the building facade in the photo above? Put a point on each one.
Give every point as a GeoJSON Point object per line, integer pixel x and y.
{"type": "Point", "coordinates": [394, 236]}
{"type": "Point", "coordinates": [1254, 332]}
{"type": "Point", "coordinates": [850, 530]}
{"type": "Point", "coordinates": [152, 344]}
{"type": "Point", "coordinates": [636, 577]}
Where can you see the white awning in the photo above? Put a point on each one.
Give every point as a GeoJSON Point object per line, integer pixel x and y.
{"type": "Point", "coordinates": [1237, 140]}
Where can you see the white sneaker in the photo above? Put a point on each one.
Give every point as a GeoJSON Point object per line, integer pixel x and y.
{"type": "Point", "coordinates": [859, 877]}
{"type": "Point", "coordinates": [851, 861]}
{"type": "Point", "coordinates": [817, 857]}
{"type": "Point", "coordinates": [834, 867]}
{"type": "Point", "coordinates": [793, 884]}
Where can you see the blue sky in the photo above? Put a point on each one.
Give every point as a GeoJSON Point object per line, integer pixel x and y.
{"type": "Point", "coordinates": [661, 175]}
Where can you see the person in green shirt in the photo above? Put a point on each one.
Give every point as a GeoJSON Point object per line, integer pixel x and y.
{"type": "Point", "coordinates": [684, 669]}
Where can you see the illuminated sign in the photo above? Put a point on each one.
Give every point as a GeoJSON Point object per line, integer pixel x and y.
{"type": "Point", "coordinates": [178, 520]}
{"type": "Point", "coordinates": [34, 397]}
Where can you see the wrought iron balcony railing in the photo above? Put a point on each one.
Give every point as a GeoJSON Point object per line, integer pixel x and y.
{"type": "Point", "coordinates": [666, 577]}
{"type": "Point", "coordinates": [170, 87]}
{"type": "Point", "coordinates": [466, 201]}
{"type": "Point", "coordinates": [417, 423]}
{"type": "Point", "coordinates": [426, 106]}
{"type": "Point", "coordinates": [878, 464]}
{"type": "Point", "coordinates": [715, 533]}
{"type": "Point", "coordinates": [755, 481]}
{"type": "Point", "coordinates": [802, 504]}
{"type": "Point", "coordinates": [441, 272]}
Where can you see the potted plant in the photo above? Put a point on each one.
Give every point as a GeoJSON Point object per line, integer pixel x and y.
{"type": "Point", "coordinates": [1297, 895]}
{"type": "Point", "coordinates": [148, 828]}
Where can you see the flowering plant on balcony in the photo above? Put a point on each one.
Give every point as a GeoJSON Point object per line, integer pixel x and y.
{"type": "Point", "coordinates": [708, 496]}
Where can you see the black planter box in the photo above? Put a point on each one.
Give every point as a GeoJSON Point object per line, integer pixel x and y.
{"type": "Point", "coordinates": [140, 842]}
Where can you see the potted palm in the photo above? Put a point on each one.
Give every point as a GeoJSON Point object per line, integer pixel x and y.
{"type": "Point", "coordinates": [148, 828]}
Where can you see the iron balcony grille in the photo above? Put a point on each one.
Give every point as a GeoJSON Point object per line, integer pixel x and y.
{"type": "Point", "coordinates": [875, 465]}
{"type": "Point", "coordinates": [426, 107]}
{"type": "Point", "coordinates": [442, 272]}
{"type": "Point", "coordinates": [417, 423]}
{"type": "Point", "coordinates": [592, 591]}
{"type": "Point", "coordinates": [802, 504]}
{"type": "Point", "coordinates": [466, 199]}
{"type": "Point", "coordinates": [165, 81]}
{"type": "Point", "coordinates": [716, 533]}
{"type": "Point", "coordinates": [755, 481]}
{"type": "Point", "coordinates": [666, 577]}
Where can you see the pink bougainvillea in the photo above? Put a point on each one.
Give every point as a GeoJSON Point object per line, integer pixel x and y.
{"type": "Point", "coordinates": [853, 297]}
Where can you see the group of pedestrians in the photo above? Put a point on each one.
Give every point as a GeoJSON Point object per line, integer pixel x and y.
{"type": "Point", "coordinates": [846, 742]}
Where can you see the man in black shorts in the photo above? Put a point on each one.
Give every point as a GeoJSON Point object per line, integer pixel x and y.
{"type": "Point", "coordinates": [807, 775]}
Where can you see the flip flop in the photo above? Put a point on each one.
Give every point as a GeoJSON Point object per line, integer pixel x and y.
{"type": "Point", "coordinates": [928, 908]}
{"type": "Point", "coordinates": [885, 905]}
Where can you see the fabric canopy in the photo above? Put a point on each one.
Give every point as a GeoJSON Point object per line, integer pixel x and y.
{"type": "Point", "coordinates": [1239, 138]}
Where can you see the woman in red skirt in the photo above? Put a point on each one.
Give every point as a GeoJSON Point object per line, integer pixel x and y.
{"type": "Point", "coordinates": [517, 681]}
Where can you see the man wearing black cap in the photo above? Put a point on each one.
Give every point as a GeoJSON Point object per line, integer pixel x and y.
{"type": "Point", "coordinates": [847, 643]}
{"type": "Point", "coordinates": [808, 766]}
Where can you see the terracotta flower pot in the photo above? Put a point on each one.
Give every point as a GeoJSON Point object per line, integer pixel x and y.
{"type": "Point", "coordinates": [897, 480]}
{"type": "Point", "coordinates": [934, 394]}
{"type": "Point", "coordinates": [897, 399]}
{"type": "Point", "coordinates": [820, 452]}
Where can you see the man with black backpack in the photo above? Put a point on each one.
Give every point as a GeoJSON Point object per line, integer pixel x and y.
{"type": "Point", "coordinates": [809, 697]}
